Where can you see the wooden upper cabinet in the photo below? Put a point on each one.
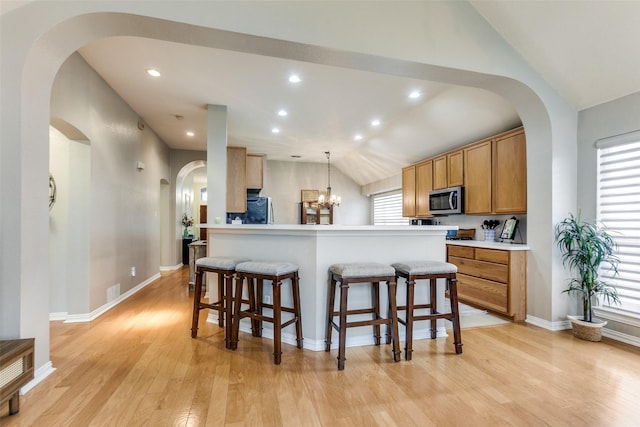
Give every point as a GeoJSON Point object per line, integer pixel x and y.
{"type": "Point", "coordinates": [493, 172]}
{"type": "Point", "coordinates": [477, 178]}
{"type": "Point", "coordinates": [424, 184]}
{"type": "Point", "coordinates": [236, 179]}
{"type": "Point", "coordinates": [448, 170]}
{"type": "Point", "coordinates": [409, 191]}
{"type": "Point", "coordinates": [440, 172]}
{"type": "Point", "coordinates": [510, 173]}
{"type": "Point", "coordinates": [455, 168]}
{"type": "Point", "coordinates": [255, 171]}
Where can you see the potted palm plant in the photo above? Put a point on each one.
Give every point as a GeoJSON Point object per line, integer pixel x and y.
{"type": "Point", "coordinates": [587, 247]}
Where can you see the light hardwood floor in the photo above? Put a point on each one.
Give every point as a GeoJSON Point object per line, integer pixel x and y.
{"type": "Point", "coordinates": [138, 365]}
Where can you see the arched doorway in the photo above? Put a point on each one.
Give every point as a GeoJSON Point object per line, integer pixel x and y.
{"type": "Point", "coordinates": [56, 42]}
{"type": "Point", "coordinates": [69, 221]}
{"type": "Point", "coordinates": [191, 178]}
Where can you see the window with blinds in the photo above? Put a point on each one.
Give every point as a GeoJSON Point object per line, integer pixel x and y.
{"type": "Point", "coordinates": [387, 209]}
{"type": "Point", "coordinates": [618, 198]}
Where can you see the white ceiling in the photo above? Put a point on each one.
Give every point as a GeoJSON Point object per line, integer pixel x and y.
{"type": "Point", "coordinates": [589, 51]}
{"type": "Point", "coordinates": [326, 109]}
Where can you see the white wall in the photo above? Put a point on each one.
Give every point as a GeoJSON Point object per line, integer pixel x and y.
{"type": "Point", "coordinates": [69, 225]}
{"type": "Point", "coordinates": [59, 226]}
{"type": "Point", "coordinates": [284, 180]}
{"type": "Point", "coordinates": [124, 202]}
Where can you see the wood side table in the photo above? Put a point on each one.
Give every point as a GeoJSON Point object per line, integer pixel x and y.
{"type": "Point", "coordinates": [16, 369]}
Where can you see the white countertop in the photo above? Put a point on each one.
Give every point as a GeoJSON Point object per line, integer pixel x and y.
{"type": "Point", "coordinates": [329, 227]}
{"type": "Point", "coordinates": [490, 245]}
{"type": "Point", "coordinates": [329, 230]}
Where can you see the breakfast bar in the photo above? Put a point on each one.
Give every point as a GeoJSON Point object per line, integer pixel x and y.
{"type": "Point", "coordinates": [314, 248]}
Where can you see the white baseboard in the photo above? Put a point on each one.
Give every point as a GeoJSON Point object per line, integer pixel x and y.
{"type": "Point", "coordinates": [545, 324]}
{"type": "Point", "coordinates": [58, 316]}
{"type": "Point", "coordinates": [88, 317]}
{"type": "Point", "coordinates": [171, 267]}
{"type": "Point", "coordinates": [40, 374]}
{"type": "Point", "coordinates": [619, 336]}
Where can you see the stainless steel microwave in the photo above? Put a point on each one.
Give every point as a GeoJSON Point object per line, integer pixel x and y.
{"type": "Point", "coordinates": [448, 201]}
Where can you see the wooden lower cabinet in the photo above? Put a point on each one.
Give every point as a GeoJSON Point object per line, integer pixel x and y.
{"type": "Point", "coordinates": [492, 279]}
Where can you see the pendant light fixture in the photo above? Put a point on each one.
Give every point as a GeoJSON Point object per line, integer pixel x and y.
{"type": "Point", "coordinates": [328, 198]}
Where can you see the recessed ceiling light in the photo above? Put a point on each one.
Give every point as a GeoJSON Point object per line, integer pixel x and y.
{"type": "Point", "coordinates": [375, 122]}
{"type": "Point", "coordinates": [275, 130]}
{"type": "Point", "coordinates": [294, 78]}
{"type": "Point", "coordinates": [153, 72]}
{"type": "Point", "coordinates": [358, 137]}
{"type": "Point", "coordinates": [189, 133]}
{"type": "Point", "coordinates": [282, 113]}
{"type": "Point", "coordinates": [415, 94]}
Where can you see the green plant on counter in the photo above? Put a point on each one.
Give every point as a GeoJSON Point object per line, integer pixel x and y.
{"type": "Point", "coordinates": [585, 248]}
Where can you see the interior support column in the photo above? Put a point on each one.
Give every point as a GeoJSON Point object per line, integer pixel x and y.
{"type": "Point", "coordinates": [216, 163]}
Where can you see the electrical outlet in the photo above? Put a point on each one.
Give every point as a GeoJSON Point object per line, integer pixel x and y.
{"type": "Point", "coordinates": [267, 299]}
{"type": "Point", "coordinates": [133, 272]}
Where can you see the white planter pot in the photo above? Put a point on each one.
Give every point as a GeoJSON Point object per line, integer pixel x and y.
{"type": "Point", "coordinates": [589, 331]}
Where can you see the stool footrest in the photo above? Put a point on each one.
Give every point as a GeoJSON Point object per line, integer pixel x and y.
{"type": "Point", "coordinates": [356, 311]}
{"type": "Point", "coordinates": [415, 307]}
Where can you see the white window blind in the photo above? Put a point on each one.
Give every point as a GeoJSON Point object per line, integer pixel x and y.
{"type": "Point", "coordinates": [619, 210]}
{"type": "Point", "coordinates": [387, 209]}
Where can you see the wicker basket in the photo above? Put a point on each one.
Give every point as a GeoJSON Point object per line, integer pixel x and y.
{"type": "Point", "coordinates": [588, 331]}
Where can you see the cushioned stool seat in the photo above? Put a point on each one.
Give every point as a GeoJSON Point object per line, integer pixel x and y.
{"type": "Point", "coordinates": [430, 271]}
{"type": "Point", "coordinates": [362, 272]}
{"type": "Point", "coordinates": [224, 267]}
{"type": "Point", "coordinates": [256, 272]}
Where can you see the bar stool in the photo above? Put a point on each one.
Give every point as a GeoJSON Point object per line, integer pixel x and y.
{"type": "Point", "coordinates": [256, 272]}
{"type": "Point", "coordinates": [224, 267]}
{"type": "Point", "coordinates": [361, 272]}
{"type": "Point", "coordinates": [428, 270]}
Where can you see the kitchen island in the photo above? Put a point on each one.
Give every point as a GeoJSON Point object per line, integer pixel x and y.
{"type": "Point", "coordinates": [314, 248]}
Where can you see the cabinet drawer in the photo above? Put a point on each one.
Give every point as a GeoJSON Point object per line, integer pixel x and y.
{"type": "Point", "coordinates": [484, 293]}
{"type": "Point", "coordinates": [460, 251]}
{"type": "Point", "coordinates": [492, 255]}
{"type": "Point", "coordinates": [482, 269]}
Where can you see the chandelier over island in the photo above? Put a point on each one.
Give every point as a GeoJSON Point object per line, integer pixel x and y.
{"type": "Point", "coordinates": [328, 198]}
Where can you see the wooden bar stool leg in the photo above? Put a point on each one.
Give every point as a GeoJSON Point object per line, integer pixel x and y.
{"type": "Point", "coordinates": [251, 295]}
{"type": "Point", "coordinates": [228, 302]}
{"type": "Point", "coordinates": [375, 300]}
{"type": "Point", "coordinates": [330, 311]}
{"type": "Point", "coordinates": [259, 291]}
{"type": "Point", "coordinates": [391, 289]}
{"type": "Point", "coordinates": [453, 296]}
{"type": "Point", "coordinates": [295, 285]}
{"type": "Point", "coordinates": [344, 291]}
{"type": "Point", "coordinates": [408, 344]}
{"type": "Point", "coordinates": [237, 302]}
{"type": "Point", "coordinates": [277, 323]}
{"type": "Point", "coordinates": [433, 287]}
{"type": "Point", "coordinates": [197, 295]}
